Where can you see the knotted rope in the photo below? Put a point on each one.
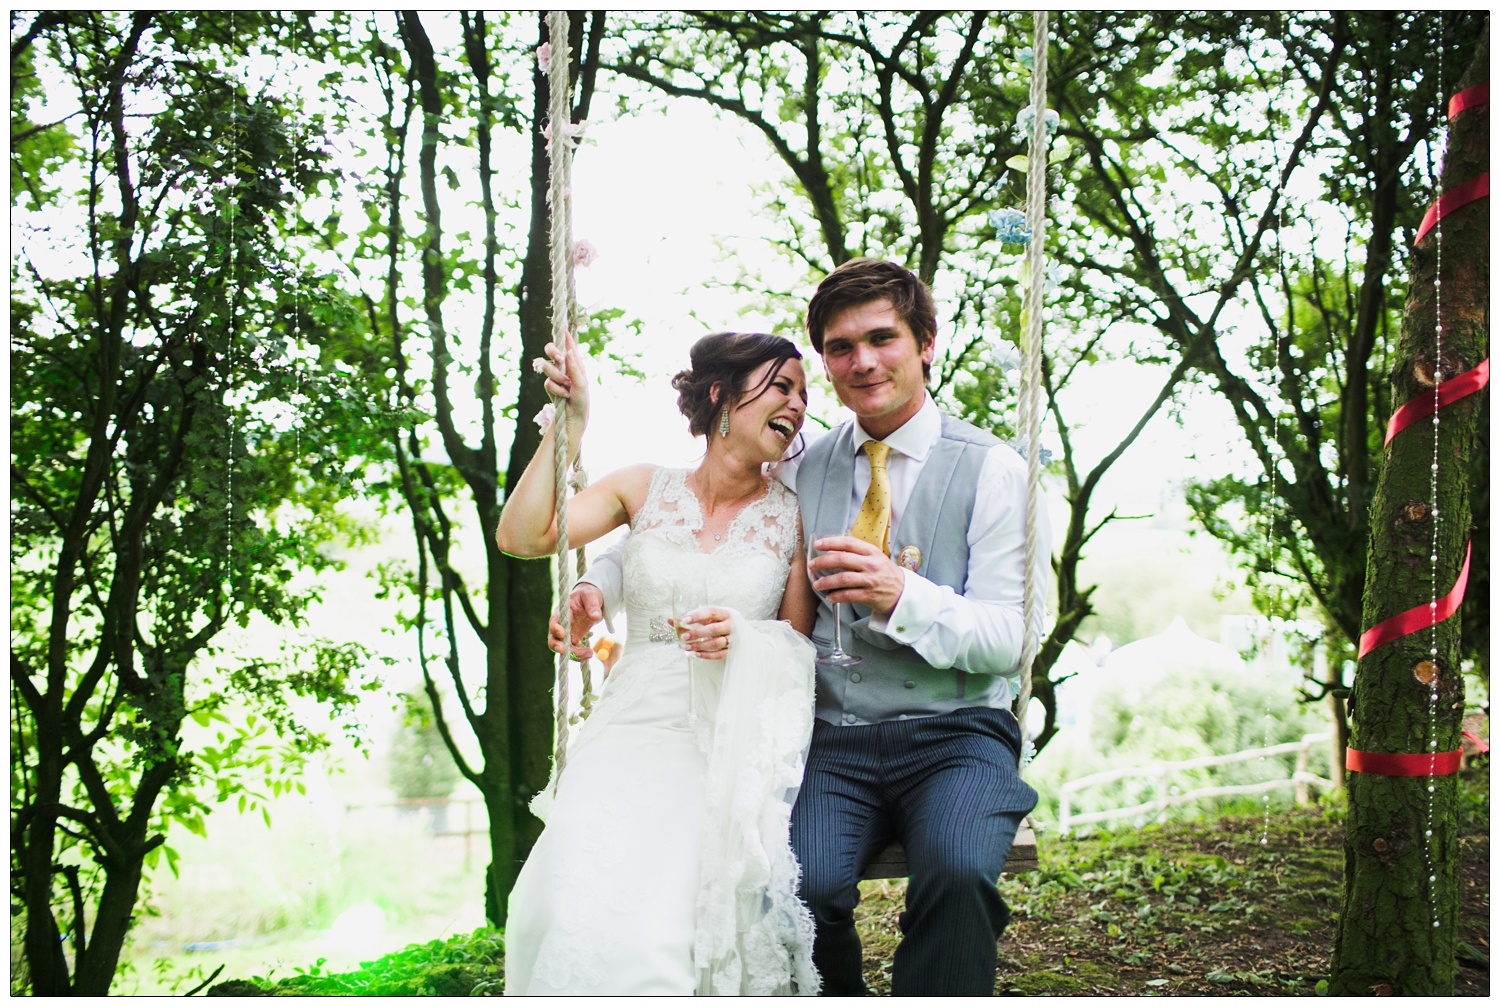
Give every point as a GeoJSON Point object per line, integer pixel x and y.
{"type": "Point", "coordinates": [1031, 382]}
{"type": "Point", "coordinates": [564, 321]}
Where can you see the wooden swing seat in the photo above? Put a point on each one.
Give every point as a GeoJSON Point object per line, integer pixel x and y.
{"type": "Point", "coordinates": [891, 861]}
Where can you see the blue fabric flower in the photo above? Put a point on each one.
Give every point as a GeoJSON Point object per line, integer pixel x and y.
{"type": "Point", "coordinates": [1026, 58]}
{"type": "Point", "coordinates": [1010, 226]}
{"type": "Point", "coordinates": [1051, 278]}
{"type": "Point", "coordinates": [1019, 446]}
{"type": "Point", "coordinates": [1005, 356]}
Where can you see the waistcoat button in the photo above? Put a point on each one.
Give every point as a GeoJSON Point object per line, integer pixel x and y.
{"type": "Point", "coordinates": [909, 684]}
{"type": "Point", "coordinates": [848, 718]}
{"type": "Point", "coordinates": [854, 676]}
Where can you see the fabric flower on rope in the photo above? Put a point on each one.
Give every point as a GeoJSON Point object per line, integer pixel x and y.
{"type": "Point", "coordinates": [1010, 226]}
{"type": "Point", "coordinates": [543, 419]}
{"type": "Point", "coordinates": [584, 253]}
{"type": "Point", "coordinates": [1026, 119]}
{"type": "Point", "coordinates": [1026, 58]}
{"type": "Point", "coordinates": [1005, 356]}
{"type": "Point", "coordinates": [543, 56]}
{"type": "Point", "coordinates": [1051, 277]}
{"type": "Point", "coordinates": [572, 132]}
{"type": "Point", "coordinates": [1020, 447]}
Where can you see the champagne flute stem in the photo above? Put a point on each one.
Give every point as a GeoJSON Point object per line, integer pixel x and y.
{"type": "Point", "coordinates": [692, 691]}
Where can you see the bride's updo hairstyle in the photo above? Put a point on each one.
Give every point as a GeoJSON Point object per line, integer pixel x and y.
{"type": "Point", "coordinates": [728, 359]}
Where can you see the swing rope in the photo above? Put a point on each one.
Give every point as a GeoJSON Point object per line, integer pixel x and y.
{"type": "Point", "coordinates": [1031, 381]}
{"type": "Point", "coordinates": [564, 321]}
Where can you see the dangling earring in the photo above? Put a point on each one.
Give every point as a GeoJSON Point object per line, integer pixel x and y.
{"type": "Point", "coordinates": [724, 422]}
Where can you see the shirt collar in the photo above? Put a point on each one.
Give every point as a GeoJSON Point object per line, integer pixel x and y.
{"type": "Point", "coordinates": [915, 437]}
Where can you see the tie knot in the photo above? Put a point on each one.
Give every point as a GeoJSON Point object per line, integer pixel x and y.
{"type": "Point", "coordinates": [878, 451]}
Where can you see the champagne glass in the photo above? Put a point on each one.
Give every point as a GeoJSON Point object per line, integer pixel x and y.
{"type": "Point", "coordinates": [837, 657]}
{"type": "Point", "coordinates": [689, 592]}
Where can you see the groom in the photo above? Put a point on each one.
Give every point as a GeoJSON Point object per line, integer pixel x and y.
{"type": "Point", "coordinates": [920, 518]}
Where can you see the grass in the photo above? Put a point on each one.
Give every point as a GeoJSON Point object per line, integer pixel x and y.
{"type": "Point", "coordinates": [464, 965]}
{"type": "Point", "coordinates": [1243, 906]}
{"type": "Point", "coordinates": [1170, 909]}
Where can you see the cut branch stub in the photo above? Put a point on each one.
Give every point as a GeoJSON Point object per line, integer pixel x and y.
{"type": "Point", "coordinates": [1417, 510]}
{"type": "Point", "coordinates": [1427, 374]}
{"type": "Point", "coordinates": [1426, 672]}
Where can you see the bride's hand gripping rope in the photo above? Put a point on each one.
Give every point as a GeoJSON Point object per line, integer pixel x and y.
{"type": "Point", "coordinates": [566, 381]}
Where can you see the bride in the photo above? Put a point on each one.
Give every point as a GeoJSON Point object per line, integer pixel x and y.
{"type": "Point", "coordinates": [666, 865]}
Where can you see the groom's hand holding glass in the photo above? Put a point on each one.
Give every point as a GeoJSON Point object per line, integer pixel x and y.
{"type": "Point", "coordinates": [851, 571]}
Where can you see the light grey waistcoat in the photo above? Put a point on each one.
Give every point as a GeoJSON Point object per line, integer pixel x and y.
{"type": "Point", "coordinates": [894, 682]}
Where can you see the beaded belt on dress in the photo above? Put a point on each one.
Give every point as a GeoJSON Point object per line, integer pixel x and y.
{"type": "Point", "coordinates": [661, 630]}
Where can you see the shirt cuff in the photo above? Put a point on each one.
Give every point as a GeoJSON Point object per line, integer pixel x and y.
{"type": "Point", "coordinates": [915, 611]}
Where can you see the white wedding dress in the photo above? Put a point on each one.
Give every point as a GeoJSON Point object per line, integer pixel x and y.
{"type": "Point", "coordinates": [666, 865]}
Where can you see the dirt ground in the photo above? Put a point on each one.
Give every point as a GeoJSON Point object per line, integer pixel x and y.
{"type": "Point", "coordinates": [1245, 906]}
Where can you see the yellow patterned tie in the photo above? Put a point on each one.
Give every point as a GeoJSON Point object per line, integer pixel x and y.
{"type": "Point", "coordinates": [873, 522]}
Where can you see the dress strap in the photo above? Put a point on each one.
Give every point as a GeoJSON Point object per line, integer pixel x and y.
{"type": "Point", "coordinates": [668, 503]}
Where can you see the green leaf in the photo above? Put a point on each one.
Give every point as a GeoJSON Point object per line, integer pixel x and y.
{"type": "Point", "coordinates": [1061, 148]}
{"type": "Point", "coordinates": [1019, 162]}
{"type": "Point", "coordinates": [1321, 988]}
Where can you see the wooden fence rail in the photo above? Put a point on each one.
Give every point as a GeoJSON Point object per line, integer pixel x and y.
{"type": "Point", "coordinates": [1299, 782]}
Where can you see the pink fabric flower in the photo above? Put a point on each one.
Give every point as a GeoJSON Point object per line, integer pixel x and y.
{"type": "Point", "coordinates": [572, 131]}
{"type": "Point", "coordinates": [543, 56]}
{"type": "Point", "coordinates": [584, 253]}
{"type": "Point", "coordinates": [544, 418]}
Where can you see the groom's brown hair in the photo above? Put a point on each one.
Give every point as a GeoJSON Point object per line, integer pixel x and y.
{"type": "Point", "coordinates": [860, 281]}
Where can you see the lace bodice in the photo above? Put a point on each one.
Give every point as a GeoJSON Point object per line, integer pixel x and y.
{"type": "Point", "coordinates": [747, 571]}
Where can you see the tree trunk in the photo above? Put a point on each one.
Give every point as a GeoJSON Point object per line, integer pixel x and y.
{"type": "Point", "coordinates": [1398, 925]}
{"type": "Point", "coordinates": [45, 957]}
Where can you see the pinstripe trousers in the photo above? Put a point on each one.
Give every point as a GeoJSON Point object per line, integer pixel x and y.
{"type": "Point", "coordinates": [947, 788]}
